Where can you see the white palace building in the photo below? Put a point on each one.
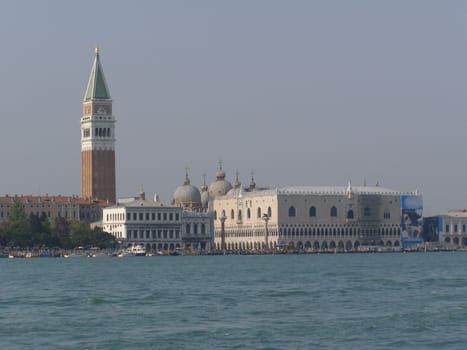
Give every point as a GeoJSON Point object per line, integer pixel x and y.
{"type": "Point", "coordinates": [309, 218]}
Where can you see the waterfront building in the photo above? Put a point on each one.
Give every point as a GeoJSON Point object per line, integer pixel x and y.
{"type": "Point", "coordinates": [314, 218]}
{"type": "Point", "coordinates": [157, 226]}
{"type": "Point", "coordinates": [98, 138]}
{"type": "Point", "coordinates": [68, 207]}
{"type": "Point", "coordinates": [449, 228]}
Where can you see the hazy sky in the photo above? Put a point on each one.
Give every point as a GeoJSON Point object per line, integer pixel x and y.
{"type": "Point", "coordinates": [301, 92]}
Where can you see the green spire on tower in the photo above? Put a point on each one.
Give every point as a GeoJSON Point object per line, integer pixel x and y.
{"type": "Point", "coordinates": [97, 87]}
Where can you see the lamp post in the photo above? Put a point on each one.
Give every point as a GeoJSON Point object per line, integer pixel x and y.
{"type": "Point", "coordinates": [266, 238]}
{"type": "Point", "coordinates": [222, 219]}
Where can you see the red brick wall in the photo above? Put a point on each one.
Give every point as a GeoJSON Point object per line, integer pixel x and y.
{"type": "Point", "coordinates": [98, 175]}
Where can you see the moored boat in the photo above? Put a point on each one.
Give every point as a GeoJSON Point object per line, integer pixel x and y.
{"type": "Point", "coordinates": [137, 250]}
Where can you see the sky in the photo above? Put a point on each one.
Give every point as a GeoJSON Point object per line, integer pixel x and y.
{"type": "Point", "coordinates": [298, 92]}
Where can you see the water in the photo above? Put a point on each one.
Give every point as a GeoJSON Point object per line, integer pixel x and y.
{"type": "Point", "coordinates": [336, 301]}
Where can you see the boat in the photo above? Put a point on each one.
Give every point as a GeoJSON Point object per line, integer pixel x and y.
{"type": "Point", "coordinates": [118, 254]}
{"type": "Point", "coordinates": [136, 250]}
{"type": "Point", "coordinates": [28, 255]}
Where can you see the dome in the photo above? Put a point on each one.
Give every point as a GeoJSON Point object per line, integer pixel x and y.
{"type": "Point", "coordinates": [204, 199]}
{"type": "Point", "coordinates": [204, 194]}
{"type": "Point", "coordinates": [221, 186]}
{"type": "Point", "coordinates": [187, 195]}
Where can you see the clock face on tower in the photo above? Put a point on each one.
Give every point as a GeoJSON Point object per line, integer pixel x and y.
{"type": "Point", "coordinates": [101, 110]}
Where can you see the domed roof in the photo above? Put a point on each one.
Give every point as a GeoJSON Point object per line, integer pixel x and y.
{"type": "Point", "coordinates": [204, 193]}
{"type": "Point", "coordinates": [187, 195]}
{"type": "Point", "coordinates": [237, 186]}
{"type": "Point", "coordinates": [204, 199]}
{"type": "Point", "coordinates": [221, 186]}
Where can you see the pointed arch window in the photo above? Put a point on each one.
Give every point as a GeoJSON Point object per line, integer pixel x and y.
{"type": "Point", "coordinates": [333, 211]}
{"type": "Point", "coordinates": [232, 214]}
{"type": "Point", "coordinates": [350, 214]}
{"type": "Point", "coordinates": [313, 212]}
{"type": "Point", "coordinates": [292, 211]}
{"type": "Point", "coordinates": [259, 213]}
{"type": "Point", "coordinates": [269, 212]}
{"type": "Point", "coordinates": [248, 213]}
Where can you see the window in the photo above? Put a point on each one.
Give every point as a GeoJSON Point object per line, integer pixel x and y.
{"type": "Point", "coordinates": [366, 211]}
{"type": "Point", "coordinates": [195, 229]}
{"type": "Point", "coordinates": [248, 213]}
{"type": "Point", "coordinates": [215, 215]}
{"type": "Point", "coordinates": [188, 228]}
{"type": "Point", "coordinates": [259, 213]}
{"type": "Point", "coordinates": [153, 216]}
{"type": "Point", "coordinates": [269, 212]}
{"type": "Point", "coordinates": [239, 215]}
{"type": "Point", "coordinates": [232, 214]}
{"type": "Point", "coordinates": [176, 216]}
{"type": "Point", "coordinates": [333, 211]}
{"type": "Point", "coordinates": [203, 229]}
{"type": "Point", "coordinates": [147, 216]}
{"type": "Point", "coordinates": [134, 216]}
{"type": "Point", "coordinates": [313, 212]}
{"type": "Point", "coordinates": [455, 228]}
{"type": "Point", "coordinates": [387, 215]}
{"type": "Point", "coordinates": [447, 228]}
{"type": "Point", "coordinates": [171, 216]}
{"type": "Point", "coordinates": [350, 214]}
{"type": "Point", "coordinates": [141, 216]}
{"type": "Point", "coordinates": [165, 216]}
{"type": "Point", "coordinates": [159, 216]}
{"type": "Point", "coordinates": [292, 211]}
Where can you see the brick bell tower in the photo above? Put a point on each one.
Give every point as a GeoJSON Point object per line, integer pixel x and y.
{"type": "Point", "coordinates": [98, 139]}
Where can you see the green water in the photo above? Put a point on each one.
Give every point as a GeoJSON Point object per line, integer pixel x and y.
{"type": "Point", "coordinates": [336, 301]}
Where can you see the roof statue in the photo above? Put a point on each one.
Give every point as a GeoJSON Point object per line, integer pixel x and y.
{"type": "Point", "coordinates": [237, 183]}
{"type": "Point", "coordinates": [349, 190]}
{"type": "Point", "coordinates": [252, 182]}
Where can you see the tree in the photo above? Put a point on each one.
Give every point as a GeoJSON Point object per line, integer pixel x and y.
{"type": "Point", "coordinates": [17, 212]}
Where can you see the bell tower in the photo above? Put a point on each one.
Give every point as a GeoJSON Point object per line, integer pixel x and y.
{"type": "Point", "coordinates": [98, 138]}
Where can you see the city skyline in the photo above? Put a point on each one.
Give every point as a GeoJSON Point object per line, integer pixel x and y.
{"type": "Point", "coordinates": [301, 93]}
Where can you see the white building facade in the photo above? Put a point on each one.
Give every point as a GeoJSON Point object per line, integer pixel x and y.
{"type": "Point", "coordinates": [308, 218]}
{"type": "Point", "coordinates": [158, 227]}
